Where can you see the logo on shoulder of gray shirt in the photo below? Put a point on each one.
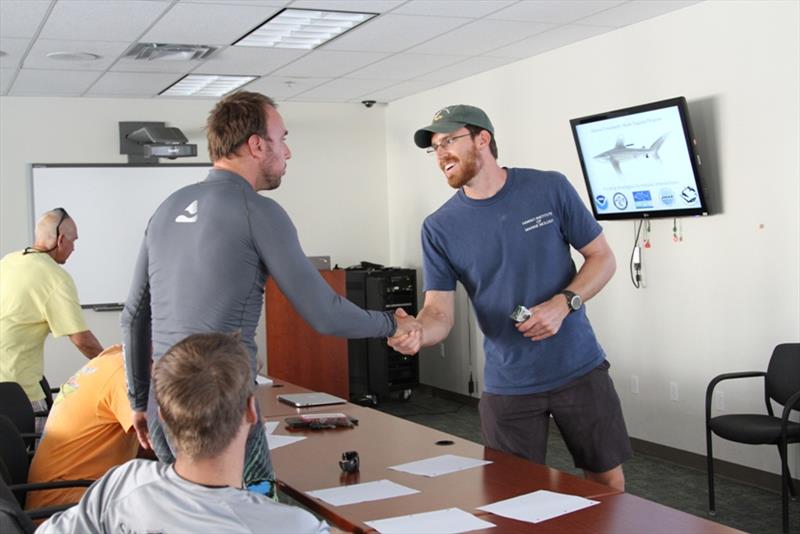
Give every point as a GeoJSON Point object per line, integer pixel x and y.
{"type": "Point", "coordinates": [189, 214]}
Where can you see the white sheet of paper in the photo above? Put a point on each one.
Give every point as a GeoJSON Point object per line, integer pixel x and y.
{"type": "Point", "coordinates": [368, 491]}
{"type": "Point", "coordinates": [439, 465]}
{"type": "Point", "coordinates": [450, 520]}
{"type": "Point", "coordinates": [538, 506]}
{"type": "Point", "coordinates": [263, 380]}
{"type": "Point", "coordinates": [270, 426]}
{"type": "Point", "coordinates": [277, 440]}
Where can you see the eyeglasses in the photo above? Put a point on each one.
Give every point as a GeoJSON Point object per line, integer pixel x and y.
{"type": "Point", "coordinates": [446, 142]}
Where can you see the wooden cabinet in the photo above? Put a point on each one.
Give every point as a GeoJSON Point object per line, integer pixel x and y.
{"type": "Point", "coordinates": [296, 352]}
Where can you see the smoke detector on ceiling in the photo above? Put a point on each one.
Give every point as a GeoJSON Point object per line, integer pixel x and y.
{"type": "Point", "coordinates": [168, 52]}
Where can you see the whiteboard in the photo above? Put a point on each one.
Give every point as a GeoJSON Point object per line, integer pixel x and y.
{"type": "Point", "coordinates": [111, 204]}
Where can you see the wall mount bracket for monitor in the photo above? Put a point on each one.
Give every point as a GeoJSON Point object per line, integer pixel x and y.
{"type": "Point", "coordinates": [145, 142]}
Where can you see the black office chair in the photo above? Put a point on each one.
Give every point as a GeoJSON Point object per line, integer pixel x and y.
{"type": "Point", "coordinates": [781, 384]}
{"type": "Point", "coordinates": [15, 465]}
{"type": "Point", "coordinates": [48, 392]}
{"type": "Point", "coordinates": [15, 405]}
{"type": "Point", "coordinates": [12, 519]}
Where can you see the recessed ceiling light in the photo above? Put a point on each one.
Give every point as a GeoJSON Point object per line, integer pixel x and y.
{"type": "Point", "coordinates": [168, 51]}
{"type": "Point", "coordinates": [303, 28]}
{"type": "Point", "coordinates": [73, 56]}
{"type": "Point", "coordinates": [206, 85]}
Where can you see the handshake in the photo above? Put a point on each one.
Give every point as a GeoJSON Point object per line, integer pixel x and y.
{"type": "Point", "coordinates": [407, 339]}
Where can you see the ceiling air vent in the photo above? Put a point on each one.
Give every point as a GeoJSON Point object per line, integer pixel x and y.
{"type": "Point", "coordinates": [169, 52]}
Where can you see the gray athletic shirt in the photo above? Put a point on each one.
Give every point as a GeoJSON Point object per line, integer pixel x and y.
{"type": "Point", "coordinates": [205, 258]}
{"type": "Point", "coordinates": [144, 496]}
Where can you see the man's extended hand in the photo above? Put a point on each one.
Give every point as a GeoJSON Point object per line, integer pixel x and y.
{"type": "Point", "coordinates": [140, 426]}
{"type": "Point", "coordinates": [546, 320]}
{"type": "Point", "coordinates": [407, 339]}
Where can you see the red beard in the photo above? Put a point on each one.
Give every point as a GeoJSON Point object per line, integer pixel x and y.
{"type": "Point", "coordinates": [466, 168]}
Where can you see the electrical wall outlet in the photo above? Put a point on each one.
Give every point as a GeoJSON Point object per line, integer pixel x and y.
{"type": "Point", "coordinates": [634, 384]}
{"type": "Point", "coordinates": [673, 392]}
{"type": "Point", "coordinates": [720, 400]}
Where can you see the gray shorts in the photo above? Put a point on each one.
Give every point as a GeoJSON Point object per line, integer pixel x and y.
{"type": "Point", "coordinates": [586, 410]}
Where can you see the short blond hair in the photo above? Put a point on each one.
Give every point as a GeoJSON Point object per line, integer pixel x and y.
{"type": "Point", "coordinates": [202, 386]}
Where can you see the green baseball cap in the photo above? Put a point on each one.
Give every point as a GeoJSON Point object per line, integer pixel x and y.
{"type": "Point", "coordinates": [450, 119]}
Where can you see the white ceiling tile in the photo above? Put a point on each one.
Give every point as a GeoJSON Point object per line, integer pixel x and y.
{"type": "Point", "coordinates": [328, 64]}
{"type": "Point", "coordinates": [133, 84]}
{"type": "Point", "coordinates": [214, 24]}
{"type": "Point", "coordinates": [404, 66]}
{"type": "Point", "coordinates": [361, 6]}
{"type": "Point", "coordinates": [493, 34]}
{"type": "Point", "coordinates": [554, 11]}
{"type": "Point", "coordinates": [15, 51]}
{"type": "Point", "coordinates": [6, 76]}
{"type": "Point", "coordinates": [281, 87]}
{"type": "Point", "coordinates": [53, 82]}
{"type": "Point", "coordinates": [393, 33]}
{"type": "Point", "coordinates": [635, 11]}
{"type": "Point", "coordinates": [403, 89]}
{"type": "Point", "coordinates": [444, 8]}
{"type": "Point", "coordinates": [248, 60]}
{"type": "Point", "coordinates": [127, 64]}
{"type": "Point", "coordinates": [101, 20]}
{"type": "Point", "coordinates": [22, 18]}
{"type": "Point", "coordinates": [107, 50]}
{"type": "Point", "coordinates": [249, 3]}
{"type": "Point", "coordinates": [344, 89]}
{"type": "Point", "coordinates": [467, 67]}
{"type": "Point", "coordinates": [557, 37]}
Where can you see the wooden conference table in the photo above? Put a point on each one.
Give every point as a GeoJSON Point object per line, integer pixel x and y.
{"type": "Point", "coordinates": [383, 440]}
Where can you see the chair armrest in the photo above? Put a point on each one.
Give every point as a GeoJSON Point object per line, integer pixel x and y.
{"type": "Point", "coordinates": [30, 435]}
{"type": "Point", "coordinates": [792, 403]}
{"type": "Point", "coordinates": [726, 376]}
{"type": "Point", "coordinates": [55, 484]}
{"type": "Point", "coordinates": [41, 413]}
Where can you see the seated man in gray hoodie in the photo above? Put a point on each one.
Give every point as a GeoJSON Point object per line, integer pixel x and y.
{"type": "Point", "coordinates": [204, 389]}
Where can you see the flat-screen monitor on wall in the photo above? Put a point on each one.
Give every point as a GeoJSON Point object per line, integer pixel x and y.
{"type": "Point", "coordinates": [641, 162]}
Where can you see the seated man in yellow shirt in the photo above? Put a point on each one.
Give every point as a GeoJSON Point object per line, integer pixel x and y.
{"type": "Point", "coordinates": [88, 432]}
{"type": "Point", "coordinates": [37, 296]}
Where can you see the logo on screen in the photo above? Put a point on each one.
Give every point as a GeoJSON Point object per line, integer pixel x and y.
{"type": "Point", "coordinates": [689, 194]}
{"type": "Point", "coordinates": [667, 196]}
{"type": "Point", "coordinates": [620, 201]}
{"type": "Point", "coordinates": [642, 199]}
{"type": "Point", "coordinates": [601, 202]}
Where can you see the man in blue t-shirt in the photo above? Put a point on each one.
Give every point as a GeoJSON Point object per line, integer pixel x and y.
{"type": "Point", "coordinates": [506, 236]}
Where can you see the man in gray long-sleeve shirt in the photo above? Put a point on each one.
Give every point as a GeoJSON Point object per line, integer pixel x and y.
{"type": "Point", "coordinates": [207, 252]}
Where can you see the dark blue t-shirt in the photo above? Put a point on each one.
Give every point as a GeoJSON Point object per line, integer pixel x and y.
{"type": "Point", "coordinates": [514, 249]}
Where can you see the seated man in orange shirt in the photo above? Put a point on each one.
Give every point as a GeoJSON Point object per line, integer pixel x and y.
{"type": "Point", "coordinates": [89, 430]}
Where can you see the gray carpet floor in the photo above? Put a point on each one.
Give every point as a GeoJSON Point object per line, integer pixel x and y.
{"type": "Point", "coordinates": [739, 506]}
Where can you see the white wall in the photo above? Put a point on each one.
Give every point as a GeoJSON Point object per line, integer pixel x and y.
{"type": "Point", "coordinates": [718, 301]}
{"type": "Point", "coordinates": [334, 189]}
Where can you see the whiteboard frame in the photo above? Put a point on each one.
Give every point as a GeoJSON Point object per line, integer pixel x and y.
{"type": "Point", "coordinates": [92, 253]}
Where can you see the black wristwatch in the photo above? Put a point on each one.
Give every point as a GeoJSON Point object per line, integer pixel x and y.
{"type": "Point", "coordinates": [574, 301]}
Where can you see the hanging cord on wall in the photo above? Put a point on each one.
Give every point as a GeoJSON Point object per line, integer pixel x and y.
{"type": "Point", "coordinates": [636, 258]}
{"type": "Point", "coordinates": [677, 231]}
{"type": "Point", "coordinates": [471, 384]}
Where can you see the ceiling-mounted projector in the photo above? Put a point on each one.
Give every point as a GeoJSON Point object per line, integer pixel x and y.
{"type": "Point", "coordinates": [145, 142]}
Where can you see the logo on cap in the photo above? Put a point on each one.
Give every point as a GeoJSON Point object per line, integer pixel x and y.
{"type": "Point", "coordinates": [440, 114]}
